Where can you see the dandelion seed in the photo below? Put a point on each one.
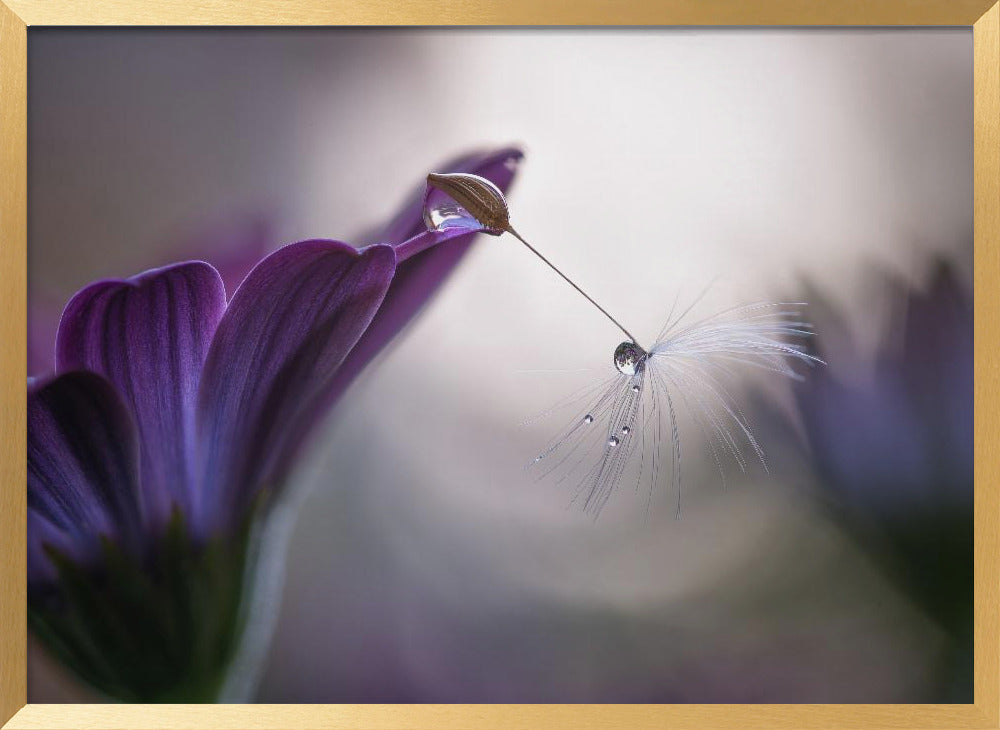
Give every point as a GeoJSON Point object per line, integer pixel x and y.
{"type": "Point", "coordinates": [688, 371]}
{"type": "Point", "coordinates": [688, 367]}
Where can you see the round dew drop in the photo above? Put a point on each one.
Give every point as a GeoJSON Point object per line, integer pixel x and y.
{"type": "Point", "coordinates": [630, 359]}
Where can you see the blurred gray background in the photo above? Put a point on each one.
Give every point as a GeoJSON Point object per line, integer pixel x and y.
{"type": "Point", "coordinates": [426, 564]}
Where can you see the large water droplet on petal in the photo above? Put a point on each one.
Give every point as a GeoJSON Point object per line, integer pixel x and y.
{"type": "Point", "coordinates": [445, 213]}
{"type": "Point", "coordinates": [464, 201]}
{"type": "Point", "coordinates": [629, 358]}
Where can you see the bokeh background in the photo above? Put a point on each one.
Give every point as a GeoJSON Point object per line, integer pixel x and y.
{"type": "Point", "coordinates": [425, 563]}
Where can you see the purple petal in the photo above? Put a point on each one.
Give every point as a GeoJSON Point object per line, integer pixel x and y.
{"type": "Point", "coordinates": [287, 330]}
{"type": "Point", "coordinates": [83, 478]}
{"type": "Point", "coordinates": [421, 268]}
{"type": "Point", "coordinates": [937, 367]}
{"type": "Point", "coordinates": [149, 335]}
{"type": "Point", "coordinates": [232, 246]}
{"type": "Point", "coordinates": [866, 437]}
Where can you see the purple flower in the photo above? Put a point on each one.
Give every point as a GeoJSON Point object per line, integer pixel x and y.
{"type": "Point", "coordinates": [895, 450]}
{"type": "Point", "coordinates": [900, 437]}
{"type": "Point", "coordinates": [175, 417]}
{"type": "Point", "coordinates": [233, 245]}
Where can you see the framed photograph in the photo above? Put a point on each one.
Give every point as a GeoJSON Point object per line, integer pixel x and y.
{"type": "Point", "coordinates": [604, 366]}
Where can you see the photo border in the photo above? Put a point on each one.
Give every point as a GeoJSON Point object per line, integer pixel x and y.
{"type": "Point", "coordinates": [16, 16]}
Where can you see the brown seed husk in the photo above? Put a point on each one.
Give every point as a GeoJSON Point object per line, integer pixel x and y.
{"type": "Point", "coordinates": [477, 195]}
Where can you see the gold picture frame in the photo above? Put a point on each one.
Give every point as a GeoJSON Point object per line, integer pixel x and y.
{"type": "Point", "coordinates": [15, 18]}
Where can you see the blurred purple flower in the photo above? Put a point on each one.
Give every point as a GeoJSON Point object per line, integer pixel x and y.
{"type": "Point", "coordinates": [895, 451]}
{"type": "Point", "coordinates": [905, 434]}
{"type": "Point", "coordinates": [174, 419]}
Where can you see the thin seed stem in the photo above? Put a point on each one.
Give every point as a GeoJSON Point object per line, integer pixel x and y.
{"type": "Point", "coordinates": [510, 229]}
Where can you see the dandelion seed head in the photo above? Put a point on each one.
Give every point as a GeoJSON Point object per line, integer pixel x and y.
{"type": "Point", "coordinates": [691, 370]}
{"type": "Point", "coordinates": [685, 368]}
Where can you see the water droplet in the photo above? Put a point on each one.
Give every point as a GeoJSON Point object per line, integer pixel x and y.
{"type": "Point", "coordinates": [588, 418]}
{"type": "Point", "coordinates": [635, 388]}
{"type": "Point", "coordinates": [613, 441]}
{"type": "Point", "coordinates": [626, 429]}
{"type": "Point", "coordinates": [470, 202]}
{"type": "Point", "coordinates": [445, 214]}
{"type": "Point", "coordinates": [629, 358]}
